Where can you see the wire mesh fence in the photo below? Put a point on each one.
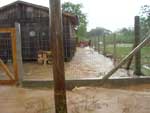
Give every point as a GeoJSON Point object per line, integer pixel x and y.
{"type": "Point", "coordinates": [115, 48]}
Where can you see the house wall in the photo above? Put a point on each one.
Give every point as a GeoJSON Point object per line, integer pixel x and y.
{"type": "Point", "coordinates": [34, 30]}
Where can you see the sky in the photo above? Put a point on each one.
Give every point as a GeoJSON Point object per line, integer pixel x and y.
{"type": "Point", "coordinates": [109, 14]}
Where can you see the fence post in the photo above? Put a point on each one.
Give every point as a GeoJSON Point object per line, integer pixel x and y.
{"type": "Point", "coordinates": [56, 31]}
{"type": "Point", "coordinates": [137, 70]}
{"type": "Point", "coordinates": [19, 53]}
{"type": "Point", "coordinates": [98, 44]}
{"type": "Point", "coordinates": [115, 49]}
{"type": "Point", "coordinates": [104, 45]}
{"type": "Point", "coordinates": [95, 44]}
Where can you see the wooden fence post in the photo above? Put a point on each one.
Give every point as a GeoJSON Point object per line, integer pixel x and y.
{"type": "Point", "coordinates": [115, 49]}
{"type": "Point", "coordinates": [95, 43]}
{"type": "Point", "coordinates": [137, 70]}
{"type": "Point", "coordinates": [104, 45]}
{"type": "Point", "coordinates": [56, 30]}
{"type": "Point", "coordinates": [19, 53]}
{"type": "Point", "coordinates": [98, 44]}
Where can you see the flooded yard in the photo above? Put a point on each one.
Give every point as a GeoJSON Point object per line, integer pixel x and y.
{"type": "Point", "coordinates": [85, 64]}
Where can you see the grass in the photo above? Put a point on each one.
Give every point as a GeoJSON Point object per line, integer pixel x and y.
{"type": "Point", "coordinates": [122, 51]}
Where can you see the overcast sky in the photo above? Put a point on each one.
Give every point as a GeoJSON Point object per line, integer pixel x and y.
{"type": "Point", "coordinates": [110, 14]}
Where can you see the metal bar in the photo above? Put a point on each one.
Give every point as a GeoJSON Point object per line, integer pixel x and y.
{"type": "Point", "coordinates": [19, 53]}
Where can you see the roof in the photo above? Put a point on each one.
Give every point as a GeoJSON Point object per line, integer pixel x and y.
{"type": "Point", "coordinates": [25, 3]}
{"type": "Point", "coordinates": [73, 18]}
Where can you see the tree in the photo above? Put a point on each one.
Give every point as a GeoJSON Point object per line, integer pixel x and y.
{"type": "Point", "coordinates": [145, 19]}
{"type": "Point", "coordinates": [75, 9]}
{"type": "Point", "coordinates": [98, 31]}
{"type": "Point", "coordinates": [125, 35]}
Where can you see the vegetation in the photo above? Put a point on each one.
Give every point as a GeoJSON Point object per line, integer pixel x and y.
{"type": "Point", "coordinates": [145, 19]}
{"type": "Point", "coordinates": [125, 35]}
{"type": "Point", "coordinates": [123, 50]}
{"type": "Point", "coordinates": [75, 9]}
{"type": "Point", "coordinates": [98, 31]}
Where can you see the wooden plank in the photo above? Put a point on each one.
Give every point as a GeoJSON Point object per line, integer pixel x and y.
{"type": "Point", "coordinates": [14, 54]}
{"type": "Point", "coordinates": [6, 70]}
{"type": "Point", "coordinates": [19, 53]}
{"type": "Point", "coordinates": [7, 82]}
{"type": "Point", "coordinates": [123, 61]}
{"type": "Point", "coordinates": [6, 30]}
{"type": "Point", "coordinates": [58, 56]}
{"type": "Point", "coordinates": [137, 70]}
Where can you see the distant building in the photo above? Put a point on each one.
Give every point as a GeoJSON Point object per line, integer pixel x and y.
{"type": "Point", "coordinates": [34, 21]}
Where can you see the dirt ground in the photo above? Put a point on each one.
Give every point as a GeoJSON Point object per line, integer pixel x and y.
{"type": "Point", "coordinates": [80, 100]}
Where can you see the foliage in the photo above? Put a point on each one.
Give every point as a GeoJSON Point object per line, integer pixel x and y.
{"type": "Point", "coordinates": [75, 9]}
{"type": "Point", "coordinates": [125, 35]}
{"type": "Point", "coordinates": [98, 31]}
{"type": "Point", "coordinates": [145, 19]}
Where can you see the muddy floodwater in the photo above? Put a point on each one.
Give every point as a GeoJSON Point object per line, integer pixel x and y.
{"type": "Point", "coordinates": [80, 100]}
{"type": "Point", "coordinates": [85, 64]}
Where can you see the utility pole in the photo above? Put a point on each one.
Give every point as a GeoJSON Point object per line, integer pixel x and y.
{"type": "Point", "coordinates": [56, 30]}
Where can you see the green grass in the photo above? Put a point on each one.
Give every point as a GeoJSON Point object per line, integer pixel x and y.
{"type": "Point", "coordinates": [122, 51]}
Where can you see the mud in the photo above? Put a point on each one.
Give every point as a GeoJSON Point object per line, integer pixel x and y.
{"type": "Point", "coordinates": [80, 100]}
